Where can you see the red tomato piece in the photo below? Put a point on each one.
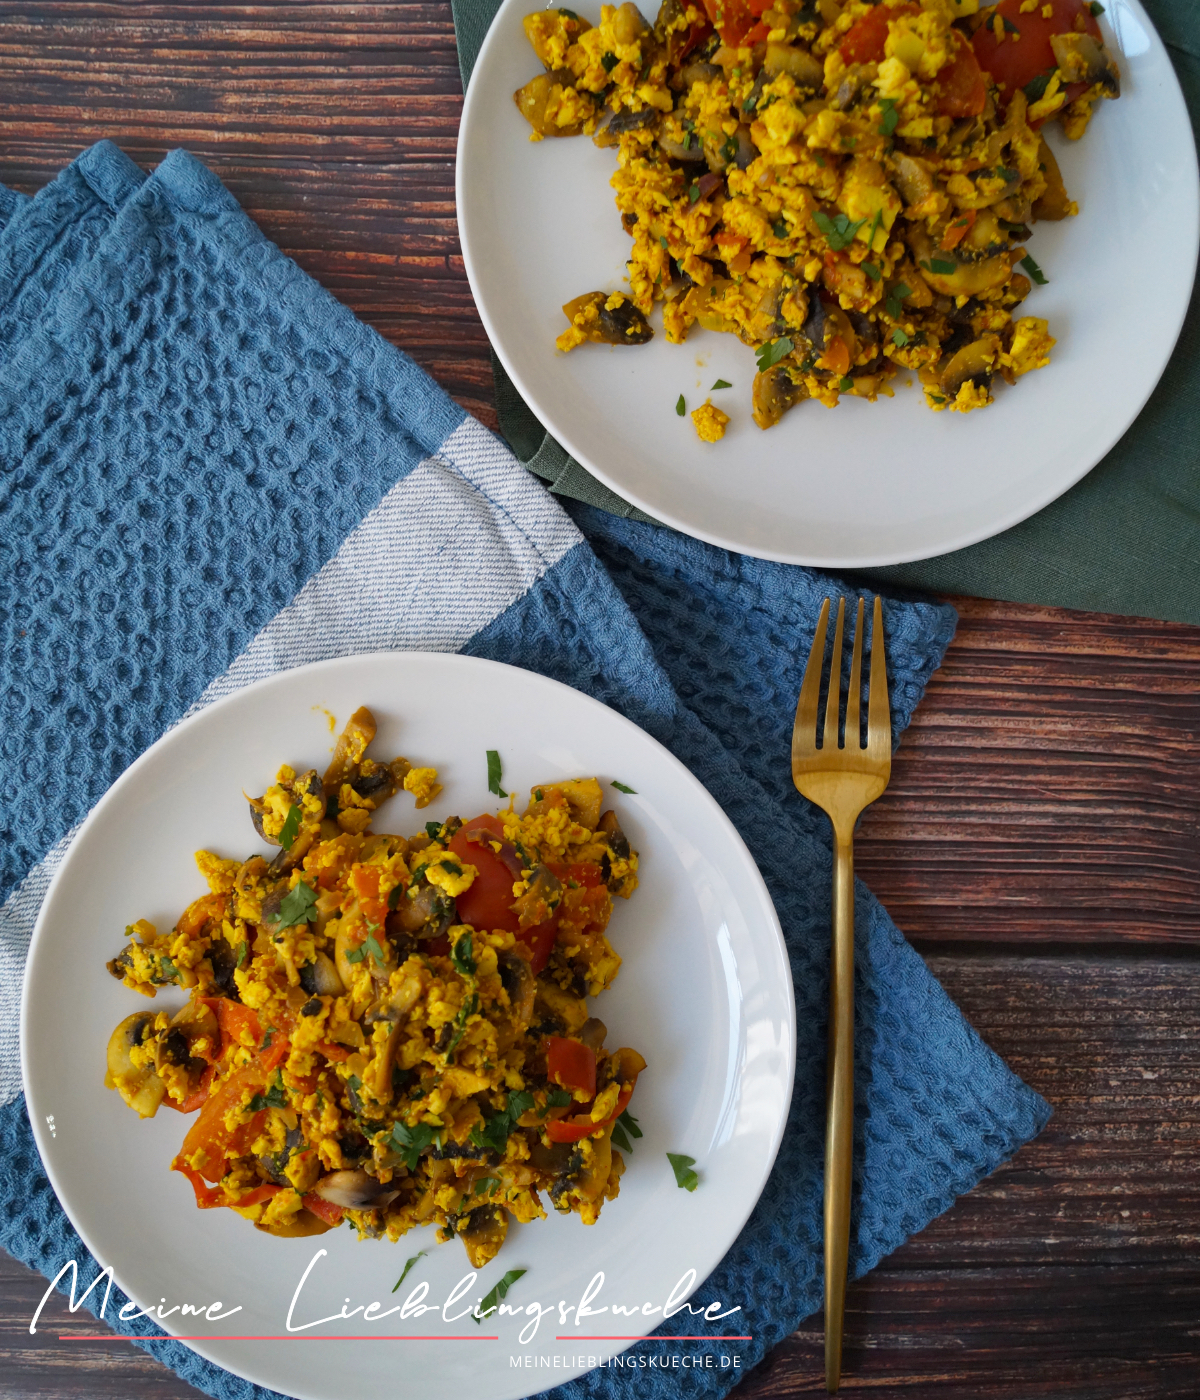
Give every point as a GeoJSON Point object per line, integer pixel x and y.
{"type": "Point", "coordinates": [322, 1209]}
{"type": "Point", "coordinates": [865, 39]}
{"type": "Point", "coordinates": [234, 1019]}
{"type": "Point", "coordinates": [488, 903]}
{"type": "Point", "coordinates": [737, 21]}
{"type": "Point", "coordinates": [338, 1053]}
{"type": "Point", "coordinates": [209, 1133]}
{"type": "Point", "coordinates": [571, 1064]}
{"type": "Point", "coordinates": [364, 881]}
{"type": "Point", "coordinates": [206, 1196]}
{"type": "Point", "coordinates": [258, 1195]}
{"type": "Point", "coordinates": [199, 1095]}
{"type": "Point", "coordinates": [962, 83]}
{"type": "Point", "coordinates": [1026, 54]}
{"type": "Point", "coordinates": [540, 941]}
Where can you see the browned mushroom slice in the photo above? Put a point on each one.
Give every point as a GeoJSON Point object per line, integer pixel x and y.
{"type": "Point", "coordinates": [138, 1084]}
{"type": "Point", "coordinates": [351, 746]}
{"type": "Point", "coordinates": [608, 318]}
{"type": "Point", "coordinates": [774, 392]}
{"type": "Point", "coordinates": [482, 1232]}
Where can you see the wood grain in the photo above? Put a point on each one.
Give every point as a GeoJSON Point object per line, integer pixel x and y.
{"type": "Point", "coordinates": [1038, 841]}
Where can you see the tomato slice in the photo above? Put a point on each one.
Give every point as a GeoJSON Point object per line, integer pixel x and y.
{"type": "Point", "coordinates": [571, 1064]}
{"type": "Point", "coordinates": [488, 903]}
{"type": "Point", "coordinates": [239, 1024]}
{"type": "Point", "coordinates": [963, 87]}
{"type": "Point", "coordinates": [630, 1065]}
{"type": "Point", "coordinates": [737, 21]}
{"type": "Point", "coordinates": [206, 1196]}
{"type": "Point", "coordinates": [322, 1209]}
{"type": "Point", "coordinates": [865, 39]}
{"type": "Point", "coordinates": [199, 1095]}
{"type": "Point", "coordinates": [364, 881]}
{"type": "Point", "coordinates": [1026, 54]}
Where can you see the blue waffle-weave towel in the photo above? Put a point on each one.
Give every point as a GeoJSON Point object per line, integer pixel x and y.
{"type": "Point", "coordinates": [212, 471]}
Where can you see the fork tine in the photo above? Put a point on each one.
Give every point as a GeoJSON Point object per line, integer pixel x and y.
{"type": "Point", "coordinates": [879, 719]}
{"type": "Point", "coordinates": [853, 735]}
{"type": "Point", "coordinates": [804, 731]}
{"type": "Point", "coordinates": [829, 738]}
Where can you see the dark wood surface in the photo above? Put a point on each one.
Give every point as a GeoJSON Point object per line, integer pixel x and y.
{"type": "Point", "coordinates": [1039, 841]}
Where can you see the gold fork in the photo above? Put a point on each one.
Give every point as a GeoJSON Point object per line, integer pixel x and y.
{"type": "Point", "coordinates": [841, 781]}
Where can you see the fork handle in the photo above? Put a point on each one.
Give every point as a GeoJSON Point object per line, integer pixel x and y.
{"type": "Point", "coordinates": [839, 1128]}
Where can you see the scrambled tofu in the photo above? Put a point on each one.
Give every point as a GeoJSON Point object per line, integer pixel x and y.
{"type": "Point", "coordinates": [847, 187]}
{"type": "Point", "coordinates": [392, 1030]}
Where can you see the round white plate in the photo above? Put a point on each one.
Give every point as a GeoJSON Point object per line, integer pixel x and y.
{"type": "Point", "coordinates": [704, 993]}
{"type": "Point", "coordinates": [865, 484]}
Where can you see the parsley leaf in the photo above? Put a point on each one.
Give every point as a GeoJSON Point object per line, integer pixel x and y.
{"type": "Point", "coordinates": [680, 406]}
{"type": "Point", "coordinates": [433, 830]}
{"type": "Point", "coordinates": [1010, 27]}
{"type": "Point", "coordinates": [891, 118]}
{"type": "Point", "coordinates": [625, 1123]}
{"type": "Point", "coordinates": [570, 14]}
{"type": "Point", "coordinates": [1034, 271]}
{"type": "Point", "coordinates": [1007, 175]}
{"type": "Point", "coordinates": [875, 222]}
{"type": "Point", "coordinates": [845, 383]}
{"type": "Point", "coordinates": [663, 241]}
{"type": "Point", "coordinates": [410, 1142]}
{"type": "Point", "coordinates": [494, 771]}
{"type": "Point", "coordinates": [682, 1166]}
{"type": "Point", "coordinates": [558, 1098]}
{"type": "Point", "coordinates": [372, 946]}
{"type": "Point", "coordinates": [168, 968]}
{"type": "Point", "coordinates": [1096, 8]}
{"type": "Point", "coordinates": [772, 352]}
{"type": "Point", "coordinates": [298, 906]}
{"type": "Point", "coordinates": [485, 1184]}
{"type": "Point", "coordinates": [496, 1129]}
{"type": "Point", "coordinates": [627, 1120]}
{"type": "Point", "coordinates": [871, 270]}
{"type": "Point", "coordinates": [620, 787]}
{"type": "Point", "coordinates": [356, 955]}
{"type": "Point", "coordinates": [460, 956]}
{"type": "Point", "coordinates": [693, 193]}
{"type": "Point", "coordinates": [839, 231]}
{"type": "Point", "coordinates": [415, 1257]}
{"type": "Point", "coordinates": [779, 228]}
{"type": "Point", "coordinates": [291, 825]}
{"type": "Point", "coordinates": [242, 950]}
{"type": "Point", "coordinates": [720, 384]}
{"type": "Point", "coordinates": [1035, 88]}
{"type": "Point", "coordinates": [491, 1301]}
{"type": "Point", "coordinates": [609, 61]}
{"type": "Point", "coordinates": [894, 298]}
{"type": "Point", "coordinates": [275, 1097]}
{"type": "Point", "coordinates": [940, 267]}
{"type": "Point", "coordinates": [460, 1024]}
{"type": "Point", "coordinates": [899, 337]}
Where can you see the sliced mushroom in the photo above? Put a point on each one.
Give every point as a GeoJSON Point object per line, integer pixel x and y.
{"type": "Point", "coordinates": [617, 841]}
{"type": "Point", "coordinates": [613, 125]}
{"type": "Point", "coordinates": [973, 364]}
{"type": "Point", "coordinates": [540, 98]}
{"type": "Point", "coordinates": [805, 70]}
{"type": "Point", "coordinates": [482, 1232]}
{"type": "Point", "coordinates": [540, 900]}
{"type": "Point", "coordinates": [518, 981]}
{"type": "Point", "coordinates": [354, 1190]}
{"type": "Point", "coordinates": [592, 1033]}
{"type": "Point", "coordinates": [1082, 58]}
{"type": "Point", "coordinates": [138, 1085]}
{"type": "Point", "coordinates": [299, 1226]}
{"type": "Point", "coordinates": [352, 744]}
{"type": "Point", "coordinates": [619, 324]}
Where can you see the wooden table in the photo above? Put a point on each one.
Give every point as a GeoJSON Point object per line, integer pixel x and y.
{"type": "Point", "coordinates": [1039, 841]}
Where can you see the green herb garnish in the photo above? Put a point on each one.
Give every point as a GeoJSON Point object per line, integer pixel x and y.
{"type": "Point", "coordinates": [495, 1130]}
{"type": "Point", "coordinates": [894, 298]}
{"type": "Point", "coordinates": [871, 270]}
{"type": "Point", "coordinates": [415, 1257]}
{"type": "Point", "coordinates": [890, 118]}
{"type": "Point", "coordinates": [693, 193]}
{"type": "Point", "coordinates": [609, 61]}
{"type": "Point", "coordinates": [298, 906]}
{"type": "Point", "coordinates": [1010, 27]}
{"type": "Point", "coordinates": [1007, 175]}
{"type": "Point", "coordinates": [485, 1184]}
{"type": "Point", "coordinates": [460, 956]}
{"type": "Point", "coordinates": [410, 1142]}
{"type": "Point", "coordinates": [779, 228]}
{"type": "Point", "coordinates": [621, 787]}
{"type": "Point", "coordinates": [771, 353]}
{"type": "Point", "coordinates": [680, 406]}
{"type": "Point", "coordinates": [275, 1097]}
{"type": "Point", "coordinates": [558, 1098]}
{"type": "Point", "coordinates": [243, 948]}
{"type": "Point", "coordinates": [168, 968]}
{"type": "Point", "coordinates": [291, 825]}
{"type": "Point", "coordinates": [625, 1124]}
{"type": "Point", "coordinates": [433, 830]}
{"type": "Point", "coordinates": [371, 945]}
{"type": "Point", "coordinates": [491, 1301]}
{"type": "Point", "coordinates": [570, 14]}
{"type": "Point", "coordinates": [899, 337]}
{"type": "Point", "coordinates": [1034, 271]}
{"type": "Point", "coordinates": [682, 1167]}
{"type": "Point", "coordinates": [720, 384]}
{"type": "Point", "coordinates": [494, 771]}
{"type": "Point", "coordinates": [1096, 8]}
{"type": "Point", "coordinates": [839, 231]}
{"type": "Point", "coordinates": [844, 383]}
{"type": "Point", "coordinates": [940, 266]}
{"type": "Point", "coordinates": [1035, 88]}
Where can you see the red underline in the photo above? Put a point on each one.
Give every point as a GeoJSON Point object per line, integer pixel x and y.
{"type": "Point", "coordinates": [644, 1338]}
{"type": "Point", "coordinates": [217, 1337]}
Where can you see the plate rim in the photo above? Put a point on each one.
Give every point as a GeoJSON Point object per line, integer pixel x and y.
{"type": "Point", "coordinates": [835, 560]}
{"type": "Point", "coordinates": [129, 775]}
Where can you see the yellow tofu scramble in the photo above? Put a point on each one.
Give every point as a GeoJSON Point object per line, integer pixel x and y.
{"type": "Point", "coordinates": [847, 188]}
{"type": "Point", "coordinates": [389, 1030]}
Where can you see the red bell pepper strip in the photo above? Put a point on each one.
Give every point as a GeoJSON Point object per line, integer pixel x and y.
{"type": "Point", "coordinates": [571, 1064]}
{"type": "Point", "coordinates": [322, 1209]}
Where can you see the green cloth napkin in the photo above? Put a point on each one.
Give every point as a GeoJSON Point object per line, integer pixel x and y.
{"type": "Point", "coordinates": [1126, 539]}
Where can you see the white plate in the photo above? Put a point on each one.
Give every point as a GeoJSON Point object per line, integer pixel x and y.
{"type": "Point", "coordinates": [866, 484]}
{"type": "Point", "coordinates": [704, 993]}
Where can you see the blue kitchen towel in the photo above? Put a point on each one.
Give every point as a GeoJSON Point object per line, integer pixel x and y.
{"type": "Point", "coordinates": [211, 471]}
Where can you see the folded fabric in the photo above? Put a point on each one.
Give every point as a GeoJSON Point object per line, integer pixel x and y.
{"type": "Point", "coordinates": [211, 471]}
{"type": "Point", "coordinates": [1125, 539]}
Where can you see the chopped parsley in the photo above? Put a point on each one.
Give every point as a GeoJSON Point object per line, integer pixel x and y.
{"type": "Point", "coordinates": [899, 337]}
{"type": "Point", "coordinates": [410, 1142]}
{"type": "Point", "coordinates": [729, 150]}
{"type": "Point", "coordinates": [491, 1301]}
{"type": "Point", "coordinates": [243, 948]}
{"type": "Point", "coordinates": [570, 14]}
{"type": "Point", "coordinates": [682, 1166]}
{"type": "Point", "coordinates": [839, 231]}
{"type": "Point", "coordinates": [878, 219]}
{"type": "Point", "coordinates": [663, 241]}
{"type": "Point", "coordinates": [844, 383]}
{"type": "Point", "coordinates": [871, 270]}
{"type": "Point", "coordinates": [779, 228]}
{"type": "Point", "coordinates": [433, 830]}
{"type": "Point", "coordinates": [890, 118]}
{"type": "Point", "coordinates": [680, 406]}
{"type": "Point", "coordinates": [720, 384]}
{"type": "Point", "coordinates": [494, 771]}
{"type": "Point", "coordinates": [693, 193]}
{"type": "Point", "coordinates": [372, 947]}
{"type": "Point", "coordinates": [623, 1129]}
{"type": "Point", "coordinates": [460, 1024]}
{"type": "Point", "coordinates": [1035, 88]}
{"type": "Point", "coordinates": [940, 267]}
{"type": "Point", "coordinates": [485, 1185]}
{"type": "Point", "coordinates": [461, 956]}
{"type": "Point", "coordinates": [298, 906]}
{"type": "Point", "coordinates": [415, 1257]}
{"type": "Point", "coordinates": [1034, 271]}
{"type": "Point", "coordinates": [894, 298]}
{"type": "Point", "coordinates": [168, 968]}
{"type": "Point", "coordinates": [609, 61]}
{"type": "Point", "coordinates": [557, 1098]}
{"type": "Point", "coordinates": [1007, 175]}
{"type": "Point", "coordinates": [770, 354]}
{"type": "Point", "coordinates": [495, 1130]}
{"type": "Point", "coordinates": [1010, 27]}
{"type": "Point", "coordinates": [291, 825]}
{"type": "Point", "coordinates": [1096, 8]}
{"type": "Point", "coordinates": [275, 1097]}
{"type": "Point", "coordinates": [621, 787]}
